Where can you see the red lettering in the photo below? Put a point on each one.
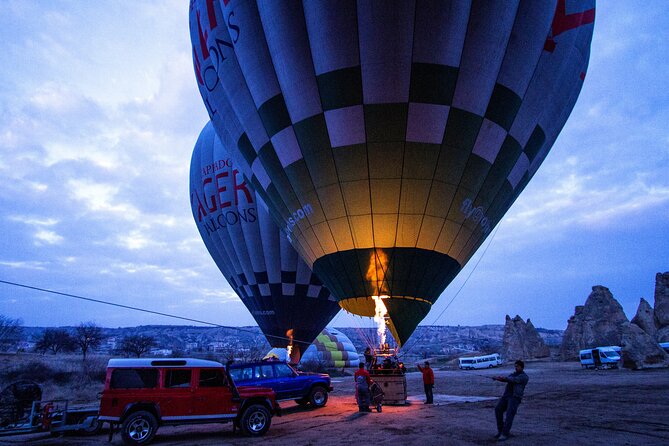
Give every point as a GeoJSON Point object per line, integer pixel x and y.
{"type": "Point", "coordinates": [196, 66]}
{"type": "Point", "coordinates": [564, 22]}
{"type": "Point", "coordinates": [201, 212]}
{"type": "Point", "coordinates": [203, 37]}
{"type": "Point", "coordinates": [212, 14]}
{"type": "Point", "coordinates": [241, 187]}
{"type": "Point", "coordinates": [212, 207]}
{"type": "Point", "coordinates": [220, 188]}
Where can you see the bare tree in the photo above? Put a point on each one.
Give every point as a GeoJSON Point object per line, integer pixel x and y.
{"type": "Point", "coordinates": [137, 344]}
{"type": "Point", "coordinates": [10, 331]}
{"type": "Point", "coordinates": [55, 340]}
{"type": "Point", "coordinates": [88, 336]}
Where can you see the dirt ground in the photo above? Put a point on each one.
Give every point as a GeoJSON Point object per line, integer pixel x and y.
{"type": "Point", "coordinates": [563, 404]}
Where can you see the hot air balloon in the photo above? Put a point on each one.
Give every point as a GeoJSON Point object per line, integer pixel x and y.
{"type": "Point", "coordinates": [388, 138]}
{"type": "Point", "coordinates": [286, 299]}
{"type": "Point", "coordinates": [331, 349]}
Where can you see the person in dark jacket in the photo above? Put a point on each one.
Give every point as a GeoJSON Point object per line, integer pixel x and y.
{"type": "Point", "coordinates": [428, 381]}
{"type": "Point", "coordinates": [510, 400]}
{"type": "Point", "coordinates": [368, 358]}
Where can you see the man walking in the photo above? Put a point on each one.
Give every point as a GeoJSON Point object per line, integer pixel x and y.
{"type": "Point", "coordinates": [362, 382]}
{"type": "Point", "coordinates": [428, 381]}
{"type": "Point", "coordinates": [510, 400]}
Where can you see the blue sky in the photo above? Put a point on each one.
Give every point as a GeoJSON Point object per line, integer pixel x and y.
{"type": "Point", "coordinates": [99, 112]}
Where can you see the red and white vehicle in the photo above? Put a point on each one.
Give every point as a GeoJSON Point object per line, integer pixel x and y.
{"type": "Point", "coordinates": [143, 394]}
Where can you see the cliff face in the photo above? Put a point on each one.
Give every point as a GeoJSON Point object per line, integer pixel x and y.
{"type": "Point", "coordinates": [522, 341]}
{"type": "Point", "coordinates": [600, 321]}
{"type": "Point", "coordinates": [662, 303]}
{"type": "Point", "coordinates": [640, 350]}
{"type": "Point", "coordinates": [649, 326]}
{"type": "Point", "coordinates": [645, 318]}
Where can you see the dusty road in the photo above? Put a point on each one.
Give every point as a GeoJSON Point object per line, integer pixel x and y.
{"type": "Point", "coordinates": [563, 404]}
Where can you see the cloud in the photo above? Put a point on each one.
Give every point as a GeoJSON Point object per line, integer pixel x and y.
{"type": "Point", "coordinates": [33, 221]}
{"type": "Point", "coordinates": [579, 199]}
{"type": "Point", "coordinates": [47, 237]}
{"type": "Point", "coordinates": [31, 264]}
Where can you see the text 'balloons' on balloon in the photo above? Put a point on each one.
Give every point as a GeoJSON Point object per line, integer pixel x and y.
{"type": "Point", "coordinates": [283, 295]}
{"type": "Point", "coordinates": [390, 138]}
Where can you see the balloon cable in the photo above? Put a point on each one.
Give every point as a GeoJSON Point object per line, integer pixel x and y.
{"type": "Point", "coordinates": [143, 310]}
{"type": "Point", "coordinates": [492, 237]}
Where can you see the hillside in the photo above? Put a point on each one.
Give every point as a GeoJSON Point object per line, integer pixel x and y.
{"type": "Point", "coordinates": [241, 342]}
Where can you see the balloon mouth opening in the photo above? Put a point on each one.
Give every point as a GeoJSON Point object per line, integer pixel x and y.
{"type": "Point", "coordinates": [366, 305]}
{"type": "Point", "coordinates": [377, 307]}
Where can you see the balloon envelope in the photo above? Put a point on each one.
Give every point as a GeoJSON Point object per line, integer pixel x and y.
{"type": "Point", "coordinates": [285, 298]}
{"type": "Point", "coordinates": [331, 349]}
{"type": "Point", "coordinates": [389, 138]}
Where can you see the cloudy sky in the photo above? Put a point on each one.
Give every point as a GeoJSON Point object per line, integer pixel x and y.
{"type": "Point", "coordinates": [99, 112]}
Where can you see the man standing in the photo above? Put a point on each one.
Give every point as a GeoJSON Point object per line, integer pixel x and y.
{"type": "Point", "coordinates": [362, 382]}
{"type": "Point", "coordinates": [428, 381]}
{"type": "Point", "coordinates": [510, 400]}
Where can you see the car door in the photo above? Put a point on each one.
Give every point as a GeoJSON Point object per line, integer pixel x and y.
{"type": "Point", "coordinates": [176, 400]}
{"type": "Point", "coordinates": [288, 382]}
{"type": "Point", "coordinates": [212, 396]}
{"type": "Point", "coordinates": [263, 376]}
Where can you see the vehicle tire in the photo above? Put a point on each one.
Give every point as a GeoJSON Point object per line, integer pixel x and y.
{"type": "Point", "coordinates": [302, 401]}
{"type": "Point", "coordinates": [318, 396]}
{"type": "Point", "coordinates": [255, 420]}
{"type": "Point", "coordinates": [94, 429]}
{"type": "Point", "coordinates": [139, 428]}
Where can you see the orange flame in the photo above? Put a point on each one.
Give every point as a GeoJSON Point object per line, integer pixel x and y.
{"type": "Point", "coordinates": [289, 348]}
{"type": "Point", "coordinates": [376, 272]}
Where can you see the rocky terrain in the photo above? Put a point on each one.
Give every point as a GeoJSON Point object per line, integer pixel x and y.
{"type": "Point", "coordinates": [601, 321]}
{"type": "Point", "coordinates": [522, 340]}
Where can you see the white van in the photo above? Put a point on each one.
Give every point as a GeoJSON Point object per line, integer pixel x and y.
{"type": "Point", "coordinates": [480, 362]}
{"type": "Point", "coordinates": [600, 357]}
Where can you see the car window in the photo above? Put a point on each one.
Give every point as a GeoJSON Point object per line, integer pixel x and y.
{"type": "Point", "coordinates": [242, 373]}
{"type": "Point", "coordinates": [283, 370]}
{"type": "Point", "coordinates": [213, 378]}
{"type": "Point", "coordinates": [177, 378]}
{"type": "Point", "coordinates": [263, 372]}
{"type": "Point", "coordinates": [134, 379]}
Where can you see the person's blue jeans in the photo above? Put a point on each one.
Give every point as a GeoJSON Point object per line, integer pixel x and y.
{"type": "Point", "coordinates": [509, 405]}
{"type": "Point", "coordinates": [363, 397]}
{"type": "Point", "coordinates": [428, 393]}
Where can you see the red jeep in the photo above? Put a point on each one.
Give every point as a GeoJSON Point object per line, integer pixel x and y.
{"type": "Point", "coordinates": [143, 394]}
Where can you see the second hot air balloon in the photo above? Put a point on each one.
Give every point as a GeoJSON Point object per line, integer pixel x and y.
{"type": "Point", "coordinates": [286, 299]}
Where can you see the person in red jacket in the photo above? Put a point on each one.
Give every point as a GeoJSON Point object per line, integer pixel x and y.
{"type": "Point", "coordinates": [362, 383]}
{"type": "Point", "coordinates": [428, 381]}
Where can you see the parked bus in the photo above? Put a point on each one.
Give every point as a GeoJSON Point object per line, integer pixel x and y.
{"type": "Point", "coordinates": [480, 362]}
{"type": "Point", "coordinates": [600, 357]}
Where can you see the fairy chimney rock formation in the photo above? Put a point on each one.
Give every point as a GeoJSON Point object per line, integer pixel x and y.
{"type": "Point", "coordinates": [522, 341]}
{"type": "Point", "coordinates": [645, 318]}
{"type": "Point", "coordinates": [599, 322]}
{"type": "Point", "coordinates": [662, 300]}
{"type": "Point", "coordinates": [640, 350]}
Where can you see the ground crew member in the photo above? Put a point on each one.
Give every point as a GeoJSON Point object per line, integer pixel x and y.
{"type": "Point", "coordinates": [510, 400]}
{"type": "Point", "coordinates": [362, 383]}
{"type": "Point", "coordinates": [428, 381]}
